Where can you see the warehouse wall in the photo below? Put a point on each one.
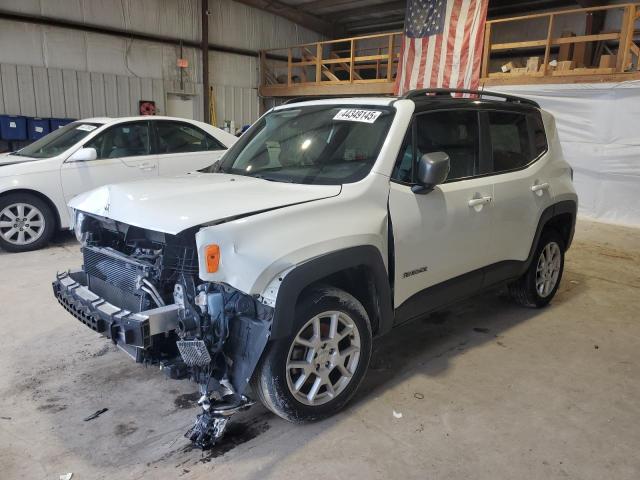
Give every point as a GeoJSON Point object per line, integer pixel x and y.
{"type": "Point", "coordinates": [74, 74]}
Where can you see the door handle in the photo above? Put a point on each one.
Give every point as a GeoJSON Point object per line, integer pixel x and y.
{"type": "Point", "coordinates": [147, 166]}
{"type": "Point", "coordinates": [478, 202]}
{"type": "Point", "coordinates": [539, 188]}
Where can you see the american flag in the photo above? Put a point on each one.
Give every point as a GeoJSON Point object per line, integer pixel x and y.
{"type": "Point", "coordinates": [442, 44]}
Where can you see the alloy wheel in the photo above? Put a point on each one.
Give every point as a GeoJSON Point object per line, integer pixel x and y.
{"type": "Point", "coordinates": [548, 269]}
{"type": "Point", "coordinates": [21, 223]}
{"type": "Point", "coordinates": [323, 358]}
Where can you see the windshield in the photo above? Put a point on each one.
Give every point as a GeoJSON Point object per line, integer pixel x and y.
{"type": "Point", "coordinates": [323, 144]}
{"type": "Point", "coordinates": [58, 141]}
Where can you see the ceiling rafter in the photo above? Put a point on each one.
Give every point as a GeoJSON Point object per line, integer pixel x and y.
{"type": "Point", "coordinates": [378, 8]}
{"type": "Point", "coordinates": [307, 20]}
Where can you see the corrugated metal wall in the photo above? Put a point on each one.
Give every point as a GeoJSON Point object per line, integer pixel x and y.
{"type": "Point", "coordinates": [50, 71]}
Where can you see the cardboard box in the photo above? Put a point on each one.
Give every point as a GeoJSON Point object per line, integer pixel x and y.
{"type": "Point", "coordinates": [533, 64]}
{"type": "Point", "coordinates": [565, 65]}
{"type": "Point", "coordinates": [607, 61]}
{"type": "Point", "coordinates": [566, 49]}
{"type": "Point", "coordinates": [507, 67]}
{"type": "Point", "coordinates": [579, 54]}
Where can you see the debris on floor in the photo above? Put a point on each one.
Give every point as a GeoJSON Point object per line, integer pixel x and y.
{"type": "Point", "coordinates": [481, 330]}
{"type": "Point", "coordinates": [66, 476]}
{"type": "Point", "coordinates": [397, 414]}
{"type": "Point", "coordinates": [96, 414]}
{"type": "Point", "coordinates": [419, 396]}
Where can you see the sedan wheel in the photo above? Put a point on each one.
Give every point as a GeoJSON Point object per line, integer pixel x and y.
{"type": "Point", "coordinates": [21, 224]}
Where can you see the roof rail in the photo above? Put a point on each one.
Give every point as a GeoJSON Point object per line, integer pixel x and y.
{"type": "Point", "coordinates": [479, 93]}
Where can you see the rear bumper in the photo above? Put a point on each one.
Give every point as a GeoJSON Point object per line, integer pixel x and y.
{"type": "Point", "coordinates": [131, 331]}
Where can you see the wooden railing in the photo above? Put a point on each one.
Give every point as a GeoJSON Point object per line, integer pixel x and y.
{"type": "Point", "coordinates": [626, 59]}
{"type": "Point", "coordinates": [365, 64]}
{"type": "Point", "coordinates": [368, 64]}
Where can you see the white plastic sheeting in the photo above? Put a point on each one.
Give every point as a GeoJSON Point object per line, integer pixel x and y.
{"type": "Point", "coordinates": [599, 129]}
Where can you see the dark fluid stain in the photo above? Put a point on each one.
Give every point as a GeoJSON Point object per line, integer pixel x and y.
{"type": "Point", "coordinates": [103, 351]}
{"type": "Point", "coordinates": [481, 330]}
{"type": "Point", "coordinates": [187, 400]}
{"type": "Point", "coordinates": [125, 429]}
{"type": "Point", "coordinates": [235, 435]}
{"type": "Point", "coordinates": [52, 408]}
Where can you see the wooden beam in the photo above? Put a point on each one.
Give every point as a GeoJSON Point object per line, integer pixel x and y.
{"type": "Point", "coordinates": [294, 14]}
{"type": "Point", "coordinates": [390, 59]}
{"type": "Point", "coordinates": [555, 41]}
{"type": "Point", "coordinates": [540, 80]}
{"type": "Point", "coordinates": [486, 50]}
{"type": "Point", "coordinates": [560, 12]}
{"type": "Point", "coordinates": [626, 37]}
{"type": "Point", "coordinates": [547, 48]}
{"type": "Point", "coordinates": [327, 88]}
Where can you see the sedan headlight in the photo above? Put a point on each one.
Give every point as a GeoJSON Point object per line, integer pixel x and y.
{"type": "Point", "coordinates": [78, 226]}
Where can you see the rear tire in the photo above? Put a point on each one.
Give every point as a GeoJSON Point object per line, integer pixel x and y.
{"type": "Point", "coordinates": [330, 343]}
{"type": "Point", "coordinates": [26, 222]}
{"type": "Point", "coordinates": [540, 282]}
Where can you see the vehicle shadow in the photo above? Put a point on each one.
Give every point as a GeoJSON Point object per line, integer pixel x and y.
{"type": "Point", "coordinates": [429, 346]}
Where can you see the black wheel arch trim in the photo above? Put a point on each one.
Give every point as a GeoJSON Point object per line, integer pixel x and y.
{"type": "Point", "coordinates": [314, 270]}
{"type": "Point", "coordinates": [565, 206]}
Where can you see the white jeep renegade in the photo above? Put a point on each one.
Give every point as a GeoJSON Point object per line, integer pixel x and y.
{"type": "Point", "coordinates": [327, 224]}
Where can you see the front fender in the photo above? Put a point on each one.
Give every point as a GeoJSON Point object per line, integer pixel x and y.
{"type": "Point", "coordinates": [314, 270]}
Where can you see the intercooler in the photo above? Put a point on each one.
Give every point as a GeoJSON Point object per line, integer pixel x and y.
{"type": "Point", "coordinates": [116, 277]}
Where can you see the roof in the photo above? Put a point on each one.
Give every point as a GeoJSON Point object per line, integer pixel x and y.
{"type": "Point", "coordinates": [426, 99]}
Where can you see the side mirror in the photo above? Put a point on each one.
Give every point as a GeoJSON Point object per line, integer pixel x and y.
{"type": "Point", "coordinates": [433, 169]}
{"type": "Point", "coordinates": [83, 155]}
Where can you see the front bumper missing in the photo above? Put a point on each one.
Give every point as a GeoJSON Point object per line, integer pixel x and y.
{"type": "Point", "coordinates": [134, 333]}
{"type": "Point", "coordinates": [130, 331]}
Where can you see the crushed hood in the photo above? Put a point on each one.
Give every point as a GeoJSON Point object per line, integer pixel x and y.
{"type": "Point", "coordinates": [174, 204]}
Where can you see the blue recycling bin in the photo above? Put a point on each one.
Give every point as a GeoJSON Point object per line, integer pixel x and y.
{"type": "Point", "coordinates": [56, 123]}
{"type": "Point", "coordinates": [13, 127]}
{"type": "Point", "coordinates": [37, 128]}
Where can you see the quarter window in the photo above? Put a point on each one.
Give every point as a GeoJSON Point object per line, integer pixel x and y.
{"type": "Point", "coordinates": [123, 140]}
{"type": "Point", "coordinates": [510, 141]}
{"type": "Point", "coordinates": [177, 137]}
{"type": "Point", "coordinates": [539, 135]}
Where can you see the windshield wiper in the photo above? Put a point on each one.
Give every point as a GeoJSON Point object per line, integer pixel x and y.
{"type": "Point", "coordinates": [271, 179]}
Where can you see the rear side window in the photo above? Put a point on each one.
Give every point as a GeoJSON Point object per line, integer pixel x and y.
{"type": "Point", "coordinates": [510, 142]}
{"type": "Point", "coordinates": [177, 137]}
{"type": "Point", "coordinates": [122, 140]}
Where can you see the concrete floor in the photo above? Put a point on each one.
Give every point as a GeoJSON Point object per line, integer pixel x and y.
{"type": "Point", "coordinates": [486, 390]}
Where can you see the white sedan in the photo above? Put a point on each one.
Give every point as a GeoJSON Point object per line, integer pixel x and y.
{"type": "Point", "coordinates": [37, 181]}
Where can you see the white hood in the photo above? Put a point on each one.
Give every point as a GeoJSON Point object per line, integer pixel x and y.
{"type": "Point", "coordinates": [174, 204]}
{"type": "Point", "coordinates": [8, 159]}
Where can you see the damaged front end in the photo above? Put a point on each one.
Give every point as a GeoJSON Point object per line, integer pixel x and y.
{"type": "Point", "coordinates": [141, 289]}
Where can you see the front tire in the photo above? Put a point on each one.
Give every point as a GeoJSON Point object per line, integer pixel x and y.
{"type": "Point", "coordinates": [540, 282]}
{"type": "Point", "coordinates": [26, 222]}
{"type": "Point", "coordinates": [312, 373]}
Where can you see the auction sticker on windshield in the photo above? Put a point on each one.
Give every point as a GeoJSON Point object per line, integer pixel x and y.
{"type": "Point", "coordinates": [86, 128]}
{"type": "Point", "coordinates": [355, 115]}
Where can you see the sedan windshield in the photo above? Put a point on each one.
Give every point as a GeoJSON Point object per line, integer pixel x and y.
{"type": "Point", "coordinates": [320, 144]}
{"type": "Point", "coordinates": [58, 141]}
